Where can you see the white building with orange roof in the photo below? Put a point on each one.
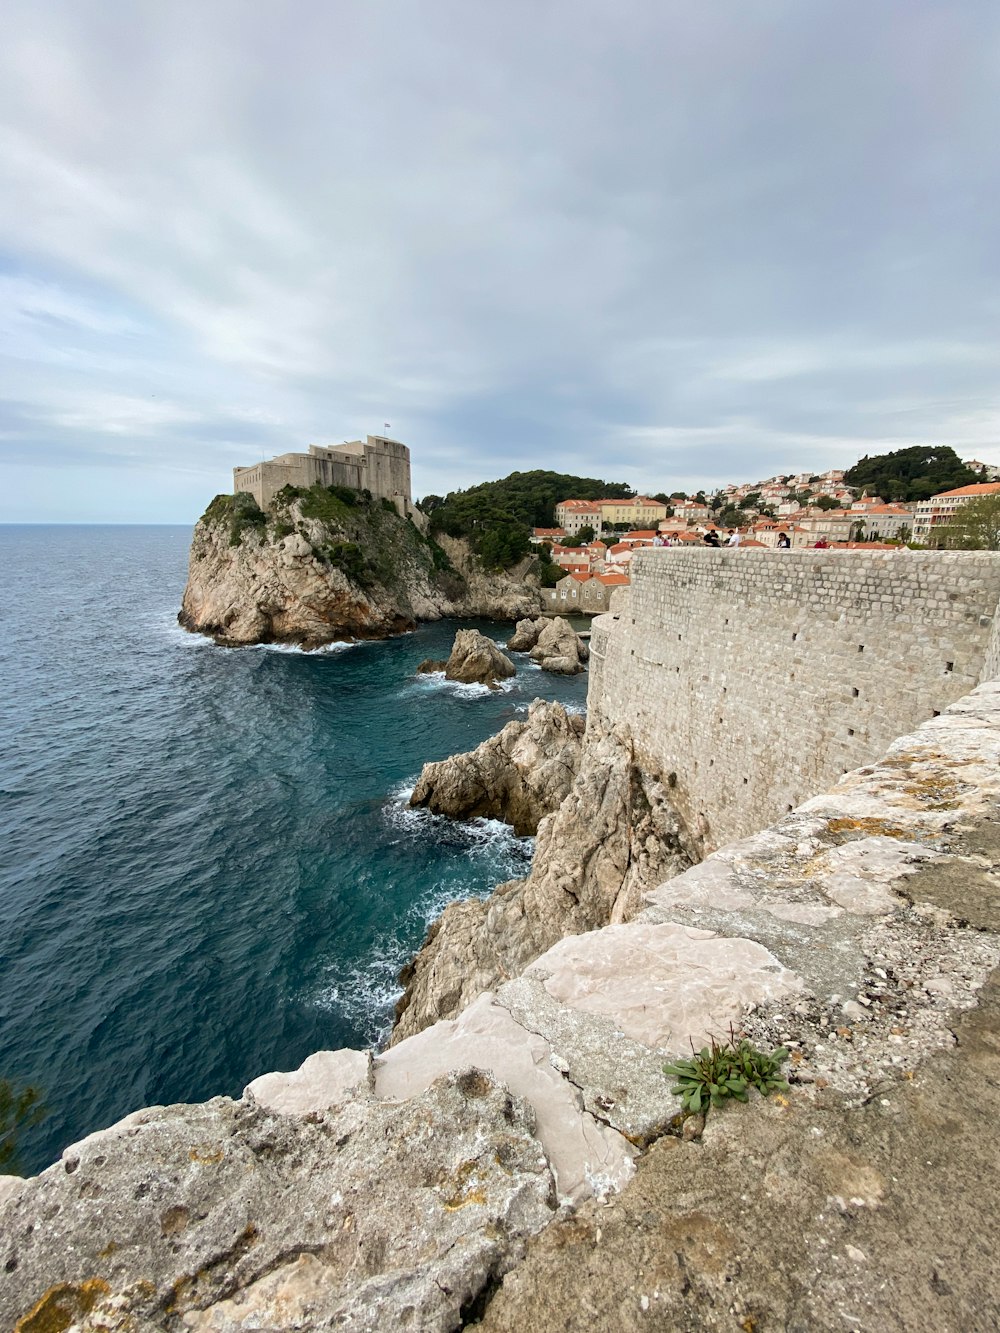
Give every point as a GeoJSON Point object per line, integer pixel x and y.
{"type": "Point", "coordinates": [619, 554]}
{"type": "Point", "coordinates": [941, 509]}
{"type": "Point", "coordinates": [893, 521]}
{"type": "Point", "coordinates": [552, 535]}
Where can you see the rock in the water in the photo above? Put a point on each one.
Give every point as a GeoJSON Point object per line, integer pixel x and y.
{"type": "Point", "coordinates": [559, 648]}
{"type": "Point", "coordinates": [475, 659]}
{"type": "Point", "coordinates": [430, 666]}
{"type": "Point", "coordinates": [562, 666]}
{"type": "Point", "coordinates": [375, 1215]}
{"type": "Point", "coordinates": [614, 836]}
{"type": "Point", "coordinates": [520, 775]}
{"type": "Point", "coordinates": [526, 634]}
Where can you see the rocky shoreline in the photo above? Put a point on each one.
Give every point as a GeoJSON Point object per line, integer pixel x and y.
{"type": "Point", "coordinates": [613, 835]}
{"type": "Point", "coordinates": [861, 930]}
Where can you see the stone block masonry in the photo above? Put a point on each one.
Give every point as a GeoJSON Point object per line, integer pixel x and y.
{"type": "Point", "coordinates": [752, 678]}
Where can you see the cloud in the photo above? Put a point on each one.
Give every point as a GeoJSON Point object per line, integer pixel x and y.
{"type": "Point", "coordinates": [618, 239]}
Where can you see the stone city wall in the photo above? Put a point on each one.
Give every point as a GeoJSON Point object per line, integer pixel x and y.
{"type": "Point", "coordinates": [758, 677]}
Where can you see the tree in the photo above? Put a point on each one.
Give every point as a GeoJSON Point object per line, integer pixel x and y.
{"type": "Point", "coordinates": [731, 518]}
{"type": "Point", "coordinates": [19, 1110]}
{"type": "Point", "coordinates": [915, 473]}
{"type": "Point", "coordinates": [827, 502]}
{"type": "Point", "coordinates": [585, 535]}
{"type": "Point", "coordinates": [750, 501]}
{"type": "Point", "coordinates": [975, 526]}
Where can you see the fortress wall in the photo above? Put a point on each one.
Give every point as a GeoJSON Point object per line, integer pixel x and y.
{"type": "Point", "coordinates": [759, 677]}
{"type": "Point", "coordinates": [382, 466]}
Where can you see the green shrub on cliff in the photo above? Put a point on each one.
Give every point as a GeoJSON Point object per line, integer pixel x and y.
{"type": "Point", "coordinates": [330, 504]}
{"type": "Point", "coordinates": [246, 513]}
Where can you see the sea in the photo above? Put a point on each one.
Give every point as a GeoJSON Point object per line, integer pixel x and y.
{"type": "Point", "coordinates": [208, 866]}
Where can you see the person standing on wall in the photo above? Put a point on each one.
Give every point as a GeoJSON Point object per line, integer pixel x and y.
{"type": "Point", "coordinates": [784, 541]}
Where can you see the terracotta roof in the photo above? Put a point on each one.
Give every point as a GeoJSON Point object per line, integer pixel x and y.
{"type": "Point", "coordinates": [980, 488]}
{"type": "Point", "coordinates": [649, 533]}
{"type": "Point", "coordinates": [550, 532]}
{"type": "Point", "coordinates": [580, 577]}
{"type": "Point", "coordinates": [620, 546]}
{"type": "Point", "coordinates": [612, 580]}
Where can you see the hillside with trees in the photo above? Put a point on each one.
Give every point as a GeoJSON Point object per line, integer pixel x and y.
{"type": "Point", "coordinates": [916, 473]}
{"type": "Point", "coordinates": [497, 516]}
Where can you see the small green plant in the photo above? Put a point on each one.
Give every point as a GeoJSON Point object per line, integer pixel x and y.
{"type": "Point", "coordinates": [20, 1109]}
{"type": "Point", "coordinates": [726, 1069]}
{"type": "Point", "coordinates": [245, 514]}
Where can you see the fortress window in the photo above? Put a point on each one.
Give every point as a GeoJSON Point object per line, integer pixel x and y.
{"type": "Point", "coordinates": [850, 731]}
{"type": "Point", "coordinates": [949, 666]}
{"type": "Point", "coordinates": [855, 691]}
{"type": "Point", "coordinates": [795, 636]}
{"type": "Point", "coordinates": [861, 647]}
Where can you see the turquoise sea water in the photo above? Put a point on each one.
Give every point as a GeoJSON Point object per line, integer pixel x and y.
{"type": "Point", "coordinates": [207, 865]}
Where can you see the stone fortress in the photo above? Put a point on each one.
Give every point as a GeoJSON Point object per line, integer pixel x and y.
{"type": "Point", "coordinates": [377, 464]}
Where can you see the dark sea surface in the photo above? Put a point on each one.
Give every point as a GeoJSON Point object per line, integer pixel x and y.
{"type": "Point", "coordinates": [208, 868]}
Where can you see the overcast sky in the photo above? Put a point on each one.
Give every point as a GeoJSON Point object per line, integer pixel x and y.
{"type": "Point", "coordinates": [670, 243]}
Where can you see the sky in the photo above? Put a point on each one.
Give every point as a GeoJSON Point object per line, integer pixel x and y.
{"type": "Point", "coordinates": [657, 241]}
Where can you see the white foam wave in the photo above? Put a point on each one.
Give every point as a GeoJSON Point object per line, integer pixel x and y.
{"type": "Point", "coordinates": [435, 680]}
{"type": "Point", "coordinates": [365, 995]}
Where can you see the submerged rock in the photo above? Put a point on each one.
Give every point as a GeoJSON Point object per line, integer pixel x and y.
{"type": "Point", "coordinates": [614, 836]}
{"type": "Point", "coordinates": [475, 659]}
{"type": "Point", "coordinates": [520, 775]}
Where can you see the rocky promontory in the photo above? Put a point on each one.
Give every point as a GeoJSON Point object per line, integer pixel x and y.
{"type": "Point", "coordinates": [324, 565]}
{"type": "Point", "coordinates": [519, 775]}
{"type": "Point", "coordinates": [474, 660]}
{"type": "Point", "coordinates": [613, 836]}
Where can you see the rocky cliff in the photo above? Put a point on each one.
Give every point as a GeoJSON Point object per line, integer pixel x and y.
{"type": "Point", "coordinates": [614, 835]}
{"type": "Point", "coordinates": [322, 566]}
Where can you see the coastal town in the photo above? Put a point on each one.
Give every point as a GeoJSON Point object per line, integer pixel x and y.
{"type": "Point", "coordinates": [594, 541]}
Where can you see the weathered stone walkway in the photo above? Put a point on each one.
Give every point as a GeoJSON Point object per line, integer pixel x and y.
{"type": "Point", "coordinates": [861, 930]}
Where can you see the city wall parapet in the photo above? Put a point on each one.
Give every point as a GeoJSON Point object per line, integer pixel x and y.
{"type": "Point", "coordinates": [757, 677]}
